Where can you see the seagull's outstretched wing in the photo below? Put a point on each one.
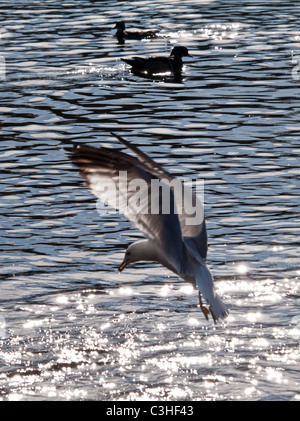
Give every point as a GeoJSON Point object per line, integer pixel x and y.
{"type": "Point", "coordinates": [125, 183]}
{"type": "Point", "coordinates": [194, 233]}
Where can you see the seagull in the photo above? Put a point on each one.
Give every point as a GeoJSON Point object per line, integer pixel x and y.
{"type": "Point", "coordinates": [171, 239]}
{"type": "Point", "coordinates": [136, 34]}
{"type": "Point", "coordinates": [159, 64]}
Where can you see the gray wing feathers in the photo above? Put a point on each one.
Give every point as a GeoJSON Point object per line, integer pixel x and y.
{"type": "Point", "coordinates": [125, 184]}
{"type": "Point", "coordinates": [196, 234]}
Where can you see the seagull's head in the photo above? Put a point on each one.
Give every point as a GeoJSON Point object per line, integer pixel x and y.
{"type": "Point", "coordinates": [131, 256]}
{"type": "Point", "coordinates": [136, 252]}
{"type": "Point", "coordinates": [125, 262]}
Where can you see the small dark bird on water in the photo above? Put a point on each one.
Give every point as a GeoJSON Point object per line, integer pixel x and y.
{"type": "Point", "coordinates": [159, 64]}
{"type": "Point", "coordinates": [123, 34]}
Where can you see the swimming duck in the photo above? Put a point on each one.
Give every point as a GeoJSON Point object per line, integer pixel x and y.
{"type": "Point", "coordinates": [159, 64]}
{"type": "Point", "coordinates": [123, 34]}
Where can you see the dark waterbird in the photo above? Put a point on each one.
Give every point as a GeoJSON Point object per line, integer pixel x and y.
{"type": "Point", "coordinates": [171, 240]}
{"type": "Point", "coordinates": [137, 34]}
{"type": "Point", "coordinates": [159, 64]}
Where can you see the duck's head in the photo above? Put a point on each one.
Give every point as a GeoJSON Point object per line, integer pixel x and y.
{"type": "Point", "coordinates": [180, 52]}
{"type": "Point", "coordinates": [120, 26]}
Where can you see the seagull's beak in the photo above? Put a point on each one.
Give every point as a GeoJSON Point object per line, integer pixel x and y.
{"type": "Point", "coordinates": [123, 265]}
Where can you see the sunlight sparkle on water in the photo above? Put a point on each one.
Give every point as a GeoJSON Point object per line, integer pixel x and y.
{"type": "Point", "coordinates": [187, 289]}
{"type": "Point", "coordinates": [165, 290]}
{"type": "Point", "coordinates": [277, 248]}
{"type": "Point", "coordinates": [193, 321]}
{"type": "Point", "coordinates": [161, 327]}
{"type": "Point", "coordinates": [253, 317]}
{"type": "Point", "coordinates": [250, 390]}
{"type": "Point", "coordinates": [242, 269]}
{"type": "Point", "coordinates": [125, 291]}
{"type": "Point", "coordinates": [274, 375]}
{"type": "Point", "coordinates": [62, 299]}
{"type": "Point", "coordinates": [260, 343]}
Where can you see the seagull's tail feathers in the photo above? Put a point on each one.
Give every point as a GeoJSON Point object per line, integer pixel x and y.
{"type": "Point", "coordinates": [217, 308]}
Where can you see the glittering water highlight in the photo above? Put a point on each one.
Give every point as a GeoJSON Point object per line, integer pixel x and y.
{"type": "Point", "coordinates": [71, 328]}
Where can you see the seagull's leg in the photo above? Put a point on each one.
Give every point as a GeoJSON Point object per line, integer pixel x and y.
{"type": "Point", "coordinates": [205, 311]}
{"type": "Point", "coordinates": [213, 316]}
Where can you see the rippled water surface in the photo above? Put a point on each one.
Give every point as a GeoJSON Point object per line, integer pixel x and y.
{"type": "Point", "coordinates": [70, 326]}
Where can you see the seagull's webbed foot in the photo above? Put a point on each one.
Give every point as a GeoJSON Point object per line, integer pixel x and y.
{"type": "Point", "coordinates": [204, 309]}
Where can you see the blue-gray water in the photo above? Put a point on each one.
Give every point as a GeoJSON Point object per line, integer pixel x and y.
{"type": "Point", "coordinates": [71, 327]}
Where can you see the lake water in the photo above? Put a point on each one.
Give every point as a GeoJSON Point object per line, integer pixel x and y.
{"type": "Point", "coordinates": [71, 327]}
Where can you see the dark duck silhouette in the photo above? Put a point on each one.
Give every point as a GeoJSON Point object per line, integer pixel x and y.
{"type": "Point", "coordinates": [123, 34]}
{"type": "Point", "coordinates": [159, 64]}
